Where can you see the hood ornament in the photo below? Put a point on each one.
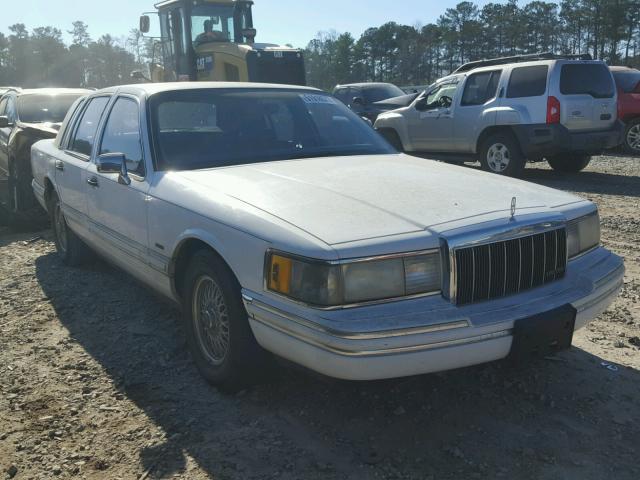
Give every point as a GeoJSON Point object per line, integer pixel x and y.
{"type": "Point", "coordinates": [514, 204]}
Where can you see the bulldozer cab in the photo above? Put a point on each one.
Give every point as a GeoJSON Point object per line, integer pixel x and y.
{"type": "Point", "coordinates": [214, 40]}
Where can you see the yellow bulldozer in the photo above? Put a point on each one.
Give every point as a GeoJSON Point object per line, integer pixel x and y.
{"type": "Point", "coordinates": [214, 40]}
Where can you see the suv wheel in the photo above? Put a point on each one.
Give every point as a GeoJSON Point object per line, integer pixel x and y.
{"type": "Point", "coordinates": [632, 137]}
{"type": "Point", "coordinates": [570, 163]}
{"type": "Point", "coordinates": [216, 325]}
{"type": "Point", "coordinates": [501, 154]}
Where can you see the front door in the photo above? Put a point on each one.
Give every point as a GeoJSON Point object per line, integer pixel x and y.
{"type": "Point", "coordinates": [430, 119]}
{"type": "Point", "coordinates": [118, 211]}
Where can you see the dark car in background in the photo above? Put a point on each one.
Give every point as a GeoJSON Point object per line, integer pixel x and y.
{"type": "Point", "coordinates": [27, 116]}
{"type": "Point", "coordinates": [371, 99]}
{"type": "Point", "coordinates": [628, 83]}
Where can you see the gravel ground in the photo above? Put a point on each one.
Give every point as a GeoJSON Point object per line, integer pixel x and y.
{"type": "Point", "coordinates": [95, 382]}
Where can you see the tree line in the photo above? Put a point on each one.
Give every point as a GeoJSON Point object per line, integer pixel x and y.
{"type": "Point", "coordinates": [419, 54]}
{"type": "Point", "coordinates": [401, 54]}
{"type": "Point", "coordinates": [40, 58]}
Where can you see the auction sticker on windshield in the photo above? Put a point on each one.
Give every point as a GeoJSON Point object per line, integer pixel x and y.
{"type": "Point", "coordinates": [317, 99]}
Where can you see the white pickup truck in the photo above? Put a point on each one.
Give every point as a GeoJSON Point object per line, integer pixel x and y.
{"type": "Point", "coordinates": [283, 223]}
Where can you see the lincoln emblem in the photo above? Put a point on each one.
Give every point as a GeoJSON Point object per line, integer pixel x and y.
{"type": "Point", "coordinates": [514, 202]}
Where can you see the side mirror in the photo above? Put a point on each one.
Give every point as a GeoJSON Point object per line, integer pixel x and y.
{"type": "Point", "coordinates": [4, 122]}
{"type": "Point", "coordinates": [114, 163]}
{"type": "Point", "coordinates": [358, 101]}
{"type": "Point", "coordinates": [250, 34]}
{"type": "Point", "coordinates": [422, 105]}
{"type": "Point", "coordinates": [145, 23]}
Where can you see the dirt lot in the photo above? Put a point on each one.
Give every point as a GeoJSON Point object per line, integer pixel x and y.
{"type": "Point", "coordinates": [95, 382]}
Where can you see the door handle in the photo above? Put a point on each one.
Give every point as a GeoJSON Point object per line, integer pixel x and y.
{"type": "Point", "coordinates": [93, 181]}
{"type": "Point", "coordinates": [59, 165]}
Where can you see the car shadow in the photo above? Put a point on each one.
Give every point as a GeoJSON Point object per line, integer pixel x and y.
{"type": "Point", "coordinates": [559, 418]}
{"type": "Point", "coordinates": [586, 181]}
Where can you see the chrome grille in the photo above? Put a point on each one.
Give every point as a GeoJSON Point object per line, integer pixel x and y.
{"type": "Point", "coordinates": [504, 268]}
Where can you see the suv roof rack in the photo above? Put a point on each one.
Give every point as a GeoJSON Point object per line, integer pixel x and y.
{"type": "Point", "coordinates": [520, 58]}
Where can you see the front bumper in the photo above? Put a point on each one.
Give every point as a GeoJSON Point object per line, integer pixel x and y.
{"type": "Point", "coordinates": [419, 336]}
{"type": "Point", "coordinates": [539, 141]}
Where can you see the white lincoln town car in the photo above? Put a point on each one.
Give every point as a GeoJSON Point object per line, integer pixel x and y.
{"type": "Point", "coordinates": [281, 222]}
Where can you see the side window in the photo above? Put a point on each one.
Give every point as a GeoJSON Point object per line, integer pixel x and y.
{"type": "Point", "coordinates": [3, 107]}
{"type": "Point", "coordinates": [528, 81]}
{"type": "Point", "coordinates": [480, 88]}
{"type": "Point", "coordinates": [122, 134]}
{"type": "Point", "coordinates": [85, 134]}
{"type": "Point", "coordinates": [441, 97]}
{"type": "Point", "coordinates": [11, 109]}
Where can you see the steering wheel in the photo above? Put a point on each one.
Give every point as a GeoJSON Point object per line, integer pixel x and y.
{"type": "Point", "coordinates": [445, 101]}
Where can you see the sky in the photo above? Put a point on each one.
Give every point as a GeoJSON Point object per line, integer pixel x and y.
{"type": "Point", "coordinates": [277, 21]}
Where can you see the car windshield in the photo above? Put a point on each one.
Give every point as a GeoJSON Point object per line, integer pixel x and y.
{"type": "Point", "coordinates": [627, 80]}
{"type": "Point", "coordinates": [197, 129]}
{"type": "Point", "coordinates": [38, 108]}
{"type": "Point", "coordinates": [381, 92]}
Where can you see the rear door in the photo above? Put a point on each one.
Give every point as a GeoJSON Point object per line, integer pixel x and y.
{"type": "Point", "coordinates": [587, 95]}
{"type": "Point", "coordinates": [71, 164]}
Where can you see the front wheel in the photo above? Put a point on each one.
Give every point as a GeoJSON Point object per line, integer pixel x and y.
{"type": "Point", "coordinates": [500, 153]}
{"type": "Point", "coordinates": [216, 324]}
{"type": "Point", "coordinates": [22, 213]}
{"type": "Point", "coordinates": [569, 163]}
{"type": "Point", "coordinates": [392, 137]}
{"type": "Point", "coordinates": [632, 137]}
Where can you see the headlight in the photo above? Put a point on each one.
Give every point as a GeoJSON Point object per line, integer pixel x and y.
{"type": "Point", "coordinates": [326, 284]}
{"type": "Point", "coordinates": [583, 234]}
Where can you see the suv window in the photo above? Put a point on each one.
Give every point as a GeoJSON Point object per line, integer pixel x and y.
{"type": "Point", "coordinates": [586, 79]}
{"type": "Point", "coordinates": [84, 137]}
{"type": "Point", "coordinates": [480, 88]}
{"type": "Point", "coordinates": [441, 97]}
{"type": "Point", "coordinates": [122, 134]}
{"type": "Point", "coordinates": [528, 81]}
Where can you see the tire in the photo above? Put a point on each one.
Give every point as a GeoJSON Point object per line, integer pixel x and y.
{"type": "Point", "coordinates": [221, 342]}
{"type": "Point", "coordinates": [71, 250]}
{"type": "Point", "coordinates": [500, 153]}
{"type": "Point", "coordinates": [19, 216]}
{"type": "Point", "coordinates": [570, 163]}
{"type": "Point", "coordinates": [632, 137]}
{"type": "Point", "coordinates": [393, 138]}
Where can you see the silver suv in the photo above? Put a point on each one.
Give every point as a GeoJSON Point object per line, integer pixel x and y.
{"type": "Point", "coordinates": [505, 112]}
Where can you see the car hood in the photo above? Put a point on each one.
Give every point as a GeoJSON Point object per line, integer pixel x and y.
{"type": "Point", "coordinates": [346, 199]}
{"type": "Point", "coordinates": [46, 128]}
{"type": "Point", "coordinates": [396, 102]}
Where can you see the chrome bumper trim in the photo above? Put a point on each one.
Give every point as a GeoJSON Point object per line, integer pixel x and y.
{"type": "Point", "coordinates": [342, 335]}
{"type": "Point", "coordinates": [382, 352]}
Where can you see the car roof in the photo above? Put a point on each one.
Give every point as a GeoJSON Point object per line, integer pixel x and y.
{"type": "Point", "coordinates": [149, 89]}
{"type": "Point", "coordinates": [366, 84]}
{"type": "Point", "coordinates": [53, 91]}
